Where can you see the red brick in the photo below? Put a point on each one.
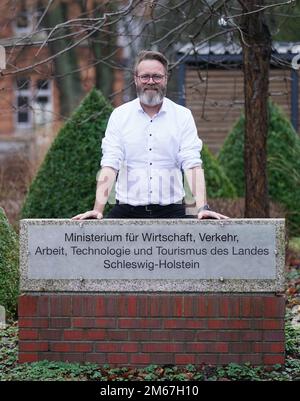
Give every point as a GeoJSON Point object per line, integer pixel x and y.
{"type": "Point", "coordinates": [140, 359]}
{"type": "Point", "coordinates": [50, 334]}
{"type": "Point", "coordinates": [140, 323]}
{"type": "Point", "coordinates": [73, 334]}
{"type": "Point", "coordinates": [246, 306]}
{"type": "Point", "coordinates": [206, 335]}
{"type": "Point", "coordinates": [33, 322]}
{"type": "Point", "coordinates": [185, 323]}
{"type": "Point", "coordinates": [224, 359]}
{"type": "Point", "coordinates": [99, 358]}
{"type": "Point", "coordinates": [229, 306]}
{"type": "Point", "coordinates": [272, 324]}
{"type": "Point", "coordinates": [227, 335]}
{"type": "Point", "coordinates": [132, 305]}
{"type": "Point", "coordinates": [211, 359]}
{"type": "Point", "coordinates": [200, 306]}
{"type": "Point", "coordinates": [88, 305]}
{"type": "Point", "coordinates": [139, 335]}
{"type": "Point", "coordinates": [251, 335]}
{"type": "Point", "coordinates": [274, 306]}
{"type": "Point", "coordinates": [206, 347]}
{"type": "Point", "coordinates": [162, 358]}
{"type": "Point", "coordinates": [273, 335]}
{"type": "Point", "coordinates": [240, 347]}
{"type": "Point", "coordinates": [117, 335]}
{"type": "Point", "coordinates": [179, 306]}
{"type": "Point", "coordinates": [99, 306]}
{"type": "Point", "coordinates": [33, 346]}
{"type": "Point", "coordinates": [213, 304]}
{"type": "Point", "coordinates": [43, 307]}
{"type": "Point", "coordinates": [107, 347]}
{"type": "Point", "coordinates": [273, 359]}
{"type": "Point", "coordinates": [60, 322]}
{"type": "Point", "coordinates": [162, 347]}
{"type": "Point", "coordinates": [185, 359]}
{"type": "Point", "coordinates": [27, 305]}
{"type": "Point", "coordinates": [60, 305]}
{"type": "Point", "coordinates": [182, 335]}
{"type": "Point", "coordinates": [25, 357]}
{"type": "Point", "coordinates": [129, 347]}
{"type": "Point", "coordinates": [118, 359]}
{"type": "Point", "coordinates": [111, 306]}
{"type": "Point", "coordinates": [188, 307]}
{"type": "Point", "coordinates": [70, 347]}
{"type": "Point", "coordinates": [28, 334]}
{"type": "Point", "coordinates": [270, 347]}
{"type": "Point", "coordinates": [95, 334]}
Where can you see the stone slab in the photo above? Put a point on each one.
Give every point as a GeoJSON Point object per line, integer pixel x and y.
{"type": "Point", "coordinates": [235, 255]}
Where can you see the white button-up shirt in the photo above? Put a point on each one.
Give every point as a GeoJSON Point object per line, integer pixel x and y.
{"type": "Point", "coordinates": [151, 153]}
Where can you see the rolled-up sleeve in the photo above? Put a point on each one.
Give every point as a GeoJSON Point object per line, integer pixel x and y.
{"type": "Point", "coordinates": [190, 146]}
{"type": "Point", "coordinates": [112, 148]}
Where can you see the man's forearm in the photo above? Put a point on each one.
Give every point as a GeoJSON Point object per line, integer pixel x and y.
{"type": "Point", "coordinates": [105, 182]}
{"type": "Point", "coordinates": [196, 180]}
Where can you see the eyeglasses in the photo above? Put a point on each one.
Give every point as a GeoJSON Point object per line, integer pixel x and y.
{"type": "Point", "coordinates": [145, 78]}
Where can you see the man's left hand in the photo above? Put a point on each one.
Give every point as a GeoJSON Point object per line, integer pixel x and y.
{"type": "Point", "coordinates": [210, 214]}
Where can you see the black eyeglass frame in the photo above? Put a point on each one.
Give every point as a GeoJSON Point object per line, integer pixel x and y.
{"type": "Point", "coordinates": [145, 78]}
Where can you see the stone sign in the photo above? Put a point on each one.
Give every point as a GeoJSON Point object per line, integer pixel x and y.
{"type": "Point", "coordinates": [152, 255]}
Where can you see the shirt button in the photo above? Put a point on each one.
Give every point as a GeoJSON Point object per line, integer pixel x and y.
{"type": "Point", "coordinates": [150, 164]}
{"type": "Point", "coordinates": [150, 149]}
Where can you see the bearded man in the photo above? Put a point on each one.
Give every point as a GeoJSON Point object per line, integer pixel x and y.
{"type": "Point", "coordinates": [149, 145]}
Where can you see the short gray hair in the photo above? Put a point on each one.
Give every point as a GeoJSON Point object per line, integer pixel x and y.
{"type": "Point", "coordinates": [151, 55]}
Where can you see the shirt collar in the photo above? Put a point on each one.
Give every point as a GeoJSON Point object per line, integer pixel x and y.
{"type": "Point", "coordinates": [163, 108]}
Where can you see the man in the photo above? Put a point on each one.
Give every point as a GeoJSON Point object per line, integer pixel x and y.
{"type": "Point", "coordinates": [149, 143]}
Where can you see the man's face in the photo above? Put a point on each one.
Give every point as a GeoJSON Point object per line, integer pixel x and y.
{"type": "Point", "coordinates": [151, 93]}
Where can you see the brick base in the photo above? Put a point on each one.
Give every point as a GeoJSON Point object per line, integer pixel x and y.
{"type": "Point", "coordinates": [142, 329]}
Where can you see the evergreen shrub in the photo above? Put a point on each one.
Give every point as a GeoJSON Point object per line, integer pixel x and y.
{"type": "Point", "coordinates": [65, 184]}
{"type": "Point", "coordinates": [9, 266]}
{"type": "Point", "coordinates": [283, 163]}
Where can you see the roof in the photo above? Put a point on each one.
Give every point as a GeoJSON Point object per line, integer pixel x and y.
{"type": "Point", "coordinates": [232, 48]}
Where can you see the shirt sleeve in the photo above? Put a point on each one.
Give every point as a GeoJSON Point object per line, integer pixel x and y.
{"type": "Point", "coordinates": [190, 146]}
{"type": "Point", "coordinates": [112, 148]}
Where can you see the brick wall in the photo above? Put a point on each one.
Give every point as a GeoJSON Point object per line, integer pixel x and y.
{"type": "Point", "coordinates": [141, 329]}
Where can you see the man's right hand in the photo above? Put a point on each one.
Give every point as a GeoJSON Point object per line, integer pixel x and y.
{"type": "Point", "coordinates": [90, 214]}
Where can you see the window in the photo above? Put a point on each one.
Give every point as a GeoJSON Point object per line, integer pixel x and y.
{"type": "Point", "coordinates": [23, 93]}
{"type": "Point", "coordinates": [26, 19]}
{"type": "Point", "coordinates": [33, 102]}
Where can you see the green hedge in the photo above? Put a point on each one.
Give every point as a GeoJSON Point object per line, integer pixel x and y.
{"type": "Point", "coordinates": [283, 163]}
{"type": "Point", "coordinates": [218, 185]}
{"type": "Point", "coordinates": [9, 266]}
{"type": "Point", "coordinates": [66, 182]}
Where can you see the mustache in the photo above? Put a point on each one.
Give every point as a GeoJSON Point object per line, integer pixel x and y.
{"type": "Point", "coordinates": [151, 87]}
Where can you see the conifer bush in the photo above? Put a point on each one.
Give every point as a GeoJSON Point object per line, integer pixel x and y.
{"type": "Point", "coordinates": [218, 185]}
{"type": "Point", "coordinates": [9, 266]}
{"type": "Point", "coordinates": [283, 163]}
{"type": "Point", "coordinates": [65, 184]}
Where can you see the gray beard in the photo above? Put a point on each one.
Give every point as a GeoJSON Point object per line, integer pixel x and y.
{"type": "Point", "coordinates": [151, 98]}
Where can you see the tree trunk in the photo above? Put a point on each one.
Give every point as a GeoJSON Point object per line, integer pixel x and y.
{"type": "Point", "coordinates": [256, 44]}
{"type": "Point", "coordinates": [65, 66]}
